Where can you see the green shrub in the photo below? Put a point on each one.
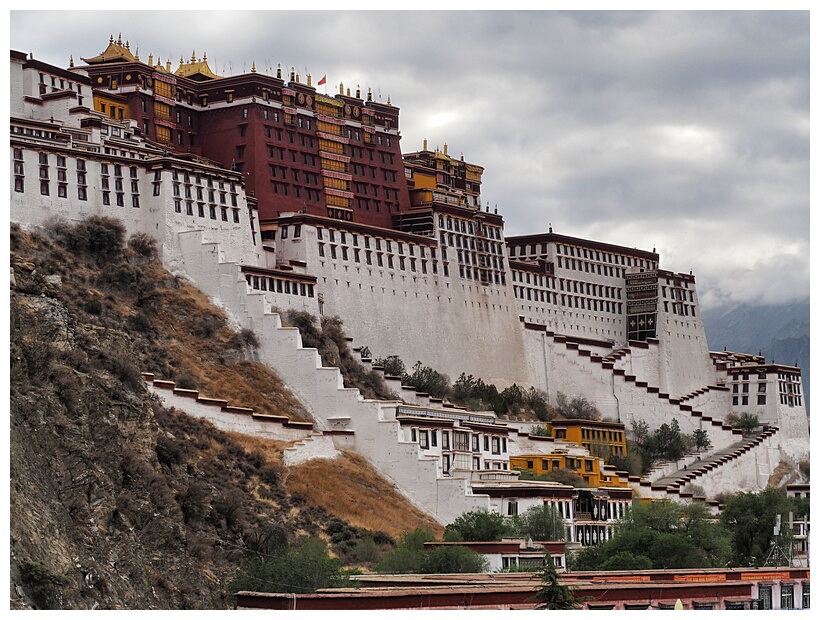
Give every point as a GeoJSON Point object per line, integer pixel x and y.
{"type": "Point", "coordinates": [453, 559]}
{"type": "Point", "coordinates": [143, 245]}
{"type": "Point", "coordinates": [304, 567]}
{"type": "Point", "coordinates": [97, 236]}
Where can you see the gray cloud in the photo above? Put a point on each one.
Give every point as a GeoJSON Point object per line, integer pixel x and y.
{"type": "Point", "coordinates": [685, 131]}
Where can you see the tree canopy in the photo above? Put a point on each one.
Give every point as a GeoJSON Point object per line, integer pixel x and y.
{"type": "Point", "coordinates": [660, 535]}
{"type": "Point", "coordinates": [750, 519]}
{"type": "Point", "coordinates": [477, 525]}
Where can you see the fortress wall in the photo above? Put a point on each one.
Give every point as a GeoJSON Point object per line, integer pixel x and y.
{"type": "Point", "coordinates": [644, 363]}
{"type": "Point", "coordinates": [716, 402]}
{"type": "Point", "coordinates": [313, 447]}
{"type": "Point", "coordinates": [447, 323]}
{"type": "Point", "coordinates": [793, 425]}
{"type": "Point", "coordinates": [684, 355]}
{"type": "Point", "coordinates": [615, 397]}
{"type": "Point", "coordinates": [155, 216]}
{"type": "Point", "coordinates": [321, 390]}
{"type": "Point", "coordinates": [227, 421]}
{"type": "Point", "coordinates": [749, 472]}
{"type": "Point", "coordinates": [31, 209]}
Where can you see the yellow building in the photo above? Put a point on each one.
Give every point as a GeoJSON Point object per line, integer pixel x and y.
{"type": "Point", "coordinates": [587, 467]}
{"type": "Point", "coordinates": [599, 438]}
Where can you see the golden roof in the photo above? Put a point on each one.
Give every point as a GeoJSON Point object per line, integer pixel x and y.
{"type": "Point", "coordinates": [115, 52]}
{"type": "Point", "coordinates": [196, 67]}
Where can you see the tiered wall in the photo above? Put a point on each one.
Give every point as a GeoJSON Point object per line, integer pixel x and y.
{"type": "Point", "coordinates": [375, 429]}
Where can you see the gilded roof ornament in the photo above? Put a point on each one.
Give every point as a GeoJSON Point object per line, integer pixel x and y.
{"type": "Point", "coordinates": [115, 52]}
{"type": "Point", "coordinates": [196, 70]}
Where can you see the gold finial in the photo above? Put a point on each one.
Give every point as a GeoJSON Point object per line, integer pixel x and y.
{"type": "Point", "coordinates": [71, 61]}
{"type": "Point", "coordinates": [111, 39]}
{"type": "Point", "coordinates": [119, 40]}
{"type": "Point", "coordinates": [445, 148]}
{"type": "Point", "coordinates": [168, 66]}
{"type": "Point", "coordinates": [150, 60]}
{"type": "Point", "coordinates": [193, 56]}
{"type": "Point", "coordinates": [388, 99]}
{"type": "Point", "coordinates": [253, 67]}
{"type": "Point", "coordinates": [348, 91]}
{"type": "Point", "coordinates": [205, 57]}
{"type": "Point", "coordinates": [308, 76]}
{"type": "Point", "coordinates": [342, 88]}
{"type": "Point", "coordinates": [297, 78]}
{"type": "Point", "coordinates": [137, 55]}
{"type": "Point", "coordinates": [127, 45]}
{"type": "Point", "coordinates": [358, 92]}
{"type": "Point", "coordinates": [181, 61]}
{"type": "Point", "coordinates": [425, 144]}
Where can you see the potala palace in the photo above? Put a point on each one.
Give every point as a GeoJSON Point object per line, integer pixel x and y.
{"type": "Point", "coordinates": [269, 196]}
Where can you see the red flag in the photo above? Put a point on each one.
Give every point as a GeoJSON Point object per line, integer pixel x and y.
{"type": "Point", "coordinates": [322, 81]}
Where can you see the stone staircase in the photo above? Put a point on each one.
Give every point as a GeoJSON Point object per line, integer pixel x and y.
{"type": "Point", "coordinates": [368, 426]}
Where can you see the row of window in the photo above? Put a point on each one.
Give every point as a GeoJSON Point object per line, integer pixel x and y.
{"type": "Point", "coordinates": [462, 441]}
{"type": "Point", "coordinates": [678, 294]}
{"type": "Point", "coordinates": [597, 255]}
{"type": "Point", "coordinates": [467, 227]}
{"type": "Point", "coordinates": [198, 179]}
{"type": "Point", "coordinates": [189, 210]}
{"type": "Point", "coordinates": [471, 243]}
{"type": "Point", "coordinates": [343, 251]}
{"type": "Point", "coordinates": [188, 192]}
{"type": "Point", "coordinates": [761, 400]}
{"type": "Point", "coordinates": [587, 267]}
{"type": "Point", "coordinates": [279, 285]}
{"type": "Point", "coordinates": [679, 308]}
{"type": "Point", "coordinates": [571, 301]}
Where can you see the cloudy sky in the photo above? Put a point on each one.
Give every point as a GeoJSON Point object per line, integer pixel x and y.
{"type": "Point", "coordinates": [687, 132]}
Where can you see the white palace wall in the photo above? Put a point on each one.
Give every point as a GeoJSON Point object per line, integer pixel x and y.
{"type": "Point", "coordinates": [450, 324]}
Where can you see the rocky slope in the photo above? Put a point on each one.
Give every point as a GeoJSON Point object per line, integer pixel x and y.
{"type": "Point", "coordinates": [116, 502]}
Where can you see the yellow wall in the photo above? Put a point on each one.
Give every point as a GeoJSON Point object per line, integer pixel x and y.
{"type": "Point", "coordinates": [588, 467]}
{"type": "Point", "coordinates": [599, 440]}
{"type": "Point", "coordinates": [111, 108]}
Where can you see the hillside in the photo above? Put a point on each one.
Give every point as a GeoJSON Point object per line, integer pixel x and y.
{"type": "Point", "coordinates": [118, 503]}
{"type": "Point", "coordinates": [781, 333]}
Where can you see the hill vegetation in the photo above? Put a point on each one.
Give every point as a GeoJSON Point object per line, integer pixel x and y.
{"type": "Point", "coordinates": [117, 502]}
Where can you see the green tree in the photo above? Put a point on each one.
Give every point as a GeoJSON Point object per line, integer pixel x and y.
{"type": "Point", "coordinates": [551, 594]}
{"type": "Point", "coordinates": [579, 408]}
{"type": "Point", "coordinates": [303, 567]}
{"type": "Point", "coordinates": [453, 559]}
{"type": "Point", "coordinates": [392, 365]}
{"type": "Point", "coordinates": [539, 523]}
{"type": "Point", "coordinates": [747, 423]}
{"type": "Point", "coordinates": [751, 517]}
{"type": "Point", "coordinates": [701, 440]}
{"type": "Point", "coordinates": [477, 525]}
{"type": "Point", "coordinates": [408, 556]}
{"type": "Point", "coordinates": [660, 535]}
{"type": "Point", "coordinates": [428, 380]}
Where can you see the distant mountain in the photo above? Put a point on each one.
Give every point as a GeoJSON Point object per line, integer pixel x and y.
{"type": "Point", "coordinates": [780, 333]}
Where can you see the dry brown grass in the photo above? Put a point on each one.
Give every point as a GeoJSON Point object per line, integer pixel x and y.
{"type": "Point", "coordinates": [250, 384]}
{"type": "Point", "coordinates": [214, 360]}
{"type": "Point", "coordinates": [271, 448]}
{"type": "Point", "coordinates": [349, 488]}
